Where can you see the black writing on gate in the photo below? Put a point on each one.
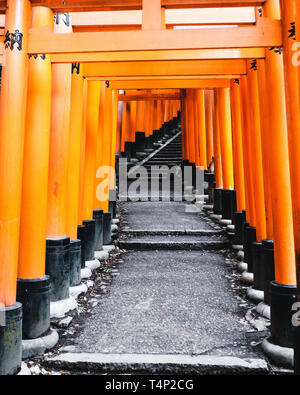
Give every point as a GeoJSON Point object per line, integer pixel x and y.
{"type": "Point", "coordinates": [13, 38]}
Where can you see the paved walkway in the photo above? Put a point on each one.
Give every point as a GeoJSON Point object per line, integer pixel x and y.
{"type": "Point", "coordinates": [169, 302]}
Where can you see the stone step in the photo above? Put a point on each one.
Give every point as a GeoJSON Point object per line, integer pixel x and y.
{"type": "Point", "coordinates": [106, 363]}
{"type": "Point", "coordinates": [173, 232]}
{"type": "Point", "coordinates": [159, 244]}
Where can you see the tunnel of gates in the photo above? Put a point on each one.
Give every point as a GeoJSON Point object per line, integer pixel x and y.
{"type": "Point", "coordinates": [85, 83]}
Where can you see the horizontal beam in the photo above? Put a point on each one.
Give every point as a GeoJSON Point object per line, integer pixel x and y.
{"type": "Point", "coordinates": [185, 54]}
{"type": "Point", "coordinates": [149, 97]}
{"type": "Point", "coordinates": [164, 68]}
{"type": "Point", "coordinates": [171, 84]}
{"type": "Point", "coordinates": [114, 5]}
{"type": "Point", "coordinates": [266, 33]}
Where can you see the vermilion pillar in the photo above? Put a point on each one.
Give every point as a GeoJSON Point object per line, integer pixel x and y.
{"type": "Point", "coordinates": [238, 160]}
{"type": "Point", "coordinates": [217, 159]}
{"type": "Point", "coordinates": [12, 128]}
{"type": "Point", "coordinates": [209, 103]}
{"type": "Point", "coordinates": [90, 161]}
{"type": "Point", "coordinates": [237, 144]}
{"type": "Point", "coordinates": [256, 152]}
{"type": "Point", "coordinates": [32, 248]}
{"type": "Point", "coordinates": [93, 99]}
{"type": "Point", "coordinates": [200, 128]}
{"type": "Point", "coordinates": [58, 242]}
{"type": "Point", "coordinates": [217, 148]}
{"type": "Point", "coordinates": [228, 192]}
{"type": "Point", "coordinates": [291, 80]}
{"type": "Point", "coordinates": [283, 290]}
{"type": "Point", "coordinates": [75, 142]}
{"type": "Point", "coordinates": [265, 140]}
{"type": "Point", "coordinates": [248, 173]}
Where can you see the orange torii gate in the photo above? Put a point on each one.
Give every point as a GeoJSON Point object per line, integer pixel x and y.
{"type": "Point", "coordinates": [196, 62]}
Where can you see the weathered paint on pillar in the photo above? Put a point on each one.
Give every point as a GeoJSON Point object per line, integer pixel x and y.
{"type": "Point", "coordinates": [32, 247]}
{"type": "Point", "coordinates": [12, 128]}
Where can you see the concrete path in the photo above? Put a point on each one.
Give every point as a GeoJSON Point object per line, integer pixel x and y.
{"type": "Point", "coordinates": [167, 302]}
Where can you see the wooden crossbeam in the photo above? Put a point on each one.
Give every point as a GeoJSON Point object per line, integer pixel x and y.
{"type": "Point", "coordinates": [169, 84]}
{"type": "Point", "coordinates": [266, 33]}
{"type": "Point", "coordinates": [164, 68]}
{"type": "Point", "coordinates": [193, 54]}
{"type": "Point", "coordinates": [149, 97]}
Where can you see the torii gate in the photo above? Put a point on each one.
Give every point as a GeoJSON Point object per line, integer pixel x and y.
{"type": "Point", "coordinates": [212, 49]}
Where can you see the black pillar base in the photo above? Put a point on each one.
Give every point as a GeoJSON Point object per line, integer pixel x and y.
{"type": "Point", "coordinates": [140, 141]}
{"type": "Point", "coordinates": [250, 238]}
{"type": "Point", "coordinates": [98, 217]}
{"type": "Point", "coordinates": [90, 226]}
{"type": "Point", "coordinates": [34, 295]}
{"type": "Point", "coordinates": [268, 267]}
{"type": "Point", "coordinates": [218, 201]}
{"type": "Point", "coordinates": [149, 142]}
{"type": "Point", "coordinates": [75, 263]}
{"type": "Point", "coordinates": [238, 219]}
{"type": "Point", "coordinates": [10, 339]}
{"type": "Point", "coordinates": [58, 267]}
{"type": "Point", "coordinates": [258, 268]}
{"type": "Point", "coordinates": [228, 203]}
{"type": "Point", "coordinates": [81, 235]}
{"type": "Point", "coordinates": [107, 228]}
{"type": "Point", "coordinates": [282, 299]}
{"type": "Point", "coordinates": [210, 178]}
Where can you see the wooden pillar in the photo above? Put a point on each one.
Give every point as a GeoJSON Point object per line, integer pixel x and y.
{"type": "Point", "coordinates": [209, 103]}
{"type": "Point", "coordinates": [225, 137]}
{"type": "Point", "coordinates": [59, 140]}
{"type": "Point", "coordinates": [266, 137]}
{"type": "Point", "coordinates": [237, 145]}
{"type": "Point", "coordinates": [132, 106]}
{"type": "Point", "coordinates": [32, 249]}
{"type": "Point", "coordinates": [191, 125]}
{"type": "Point", "coordinates": [92, 118]}
{"type": "Point", "coordinates": [119, 128]}
{"type": "Point", "coordinates": [248, 167]}
{"type": "Point", "coordinates": [82, 153]}
{"type": "Point", "coordinates": [217, 148]}
{"type": "Point", "coordinates": [285, 272]}
{"type": "Point", "coordinates": [125, 125]}
{"type": "Point", "coordinates": [256, 151]}
{"type": "Point", "coordinates": [114, 115]}
{"type": "Point", "coordinates": [200, 128]}
{"type": "Point", "coordinates": [105, 135]}
{"type": "Point", "coordinates": [12, 129]}
{"type": "Point", "coordinates": [288, 12]}
{"type": "Point", "coordinates": [75, 141]}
